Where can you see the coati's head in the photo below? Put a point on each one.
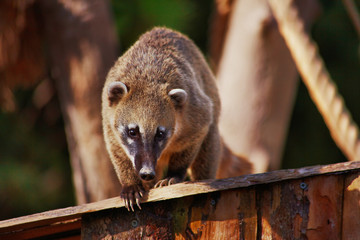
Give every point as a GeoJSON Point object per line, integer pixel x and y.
{"type": "Point", "coordinates": [144, 122]}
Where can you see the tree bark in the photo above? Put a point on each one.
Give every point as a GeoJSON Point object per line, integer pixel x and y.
{"type": "Point", "coordinates": [257, 82]}
{"type": "Point", "coordinates": [82, 47]}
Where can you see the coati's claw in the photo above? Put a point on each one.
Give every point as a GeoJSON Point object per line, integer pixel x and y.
{"type": "Point", "coordinates": [131, 206]}
{"type": "Point", "coordinates": [172, 181]}
{"type": "Point", "coordinates": [132, 195]}
{"type": "Point", "coordinates": [165, 182]}
{"type": "Point", "coordinates": [126, 203]}
{"type": "Point", "coordinates": [138, 196]}
{"type": "Point", "coordinates": [159, 184]}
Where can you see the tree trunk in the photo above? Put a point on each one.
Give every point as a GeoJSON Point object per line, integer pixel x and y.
{"type": "Point", "coordinates": [82, 47]}
{"type": "Point", "coordinates": [257, 83]}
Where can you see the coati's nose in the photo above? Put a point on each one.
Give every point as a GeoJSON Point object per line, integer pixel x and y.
{"type": "Point", "coordinates": [147, 174]}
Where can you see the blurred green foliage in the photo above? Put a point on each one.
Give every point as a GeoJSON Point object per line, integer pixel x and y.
{"type": "Point", "coordinates": [35, 174]}
{"type": "Point", "coordinates": [34, 170]}
{"type": "Point", "coordinates": [133, 18]}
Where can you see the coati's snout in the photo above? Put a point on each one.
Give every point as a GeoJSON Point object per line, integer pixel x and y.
{"type": "Point", "coordinates": [147, 174]}
{"type": "Point", "coordinates": [145, 163]}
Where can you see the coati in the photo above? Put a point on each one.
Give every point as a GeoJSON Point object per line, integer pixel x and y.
{"type": "Point", "coordinates": [160, 103]}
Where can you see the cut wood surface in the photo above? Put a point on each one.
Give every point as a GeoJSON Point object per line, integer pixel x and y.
{"type": "Point", "coordinates": [254, 204]}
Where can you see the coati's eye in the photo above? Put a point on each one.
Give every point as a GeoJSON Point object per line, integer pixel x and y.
{"type": "Point", "coordinates": [133, 132]}
{"type": "Point", "coordinates": [160, 134]}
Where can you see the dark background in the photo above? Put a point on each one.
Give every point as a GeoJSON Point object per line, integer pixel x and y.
{"type": "Point", "coordinates": [35, 173]}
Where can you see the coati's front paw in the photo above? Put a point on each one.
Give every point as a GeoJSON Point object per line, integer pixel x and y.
{"type": "Point", "coordinates": [131, 195]}
{"type": "Point", "coordinates": [166, 182]}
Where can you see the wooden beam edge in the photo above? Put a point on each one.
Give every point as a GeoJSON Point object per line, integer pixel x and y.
{"type": "Point", "coordinates": [174, 191]}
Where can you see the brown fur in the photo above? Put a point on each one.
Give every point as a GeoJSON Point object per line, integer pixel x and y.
{"type": "Point", "coordinates": [162, 60]}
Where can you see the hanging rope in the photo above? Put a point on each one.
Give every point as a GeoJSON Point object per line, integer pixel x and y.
{"type": "Point", "coordinates": [322, 89]}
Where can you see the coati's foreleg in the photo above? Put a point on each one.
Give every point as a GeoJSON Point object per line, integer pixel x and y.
{"type": "Point", "coordinates": [132, 189]}
{"type": "Point", "coordinates": [207, 160]}
{"type": "Point", "coordinates": [178, 164]}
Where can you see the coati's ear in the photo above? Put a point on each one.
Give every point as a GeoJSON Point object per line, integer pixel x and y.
{"type": "Point", "coordinates": [116, 91]}
{"type": "Point", "coordinates": [179, 96]}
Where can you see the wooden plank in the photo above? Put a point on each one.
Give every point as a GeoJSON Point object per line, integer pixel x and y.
{"type": "Point", "coordinates": [325, 195]}
{"type": "Point", "coordinates": [309, 208]}
{"type": "Point", "coordinates": [172, 192]}
{"type": "Point", "coordinates": [351, 207]}
{"type": "Point", "coordinates": [229, 214]}
{"type": "Point", "coordinates": [283, 210]}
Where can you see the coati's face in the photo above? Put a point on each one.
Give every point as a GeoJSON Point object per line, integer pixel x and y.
{"type": "Point", "coordinates": [143, 146]}
{"type": "Point", "coordinates": [144, 126]}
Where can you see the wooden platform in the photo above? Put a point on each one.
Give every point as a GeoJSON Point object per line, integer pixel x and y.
{"type": "Point", "coordinates": [321, 202]}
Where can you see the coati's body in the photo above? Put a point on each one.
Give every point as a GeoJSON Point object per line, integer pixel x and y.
{"type": "Point", "coordinates": [160, 104]}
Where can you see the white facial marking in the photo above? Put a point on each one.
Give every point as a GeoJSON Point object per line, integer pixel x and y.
{"type": "Point", "coordinates": [147, 167]}
{"type": "Point", "coordinates": [141, 130]}
{"type": "Point", "coordinates": [169, 134]}
{"type": "Point", "coordinates": [130, 141]}
{"type": "Point", "coordinates": [121, 128]}
{"type": "Point", "coordinates": [131, 157]}
{"type": "Point", "coordinates": [177, 126]}
{"type": "Point", "coordinates": [132, 125]}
